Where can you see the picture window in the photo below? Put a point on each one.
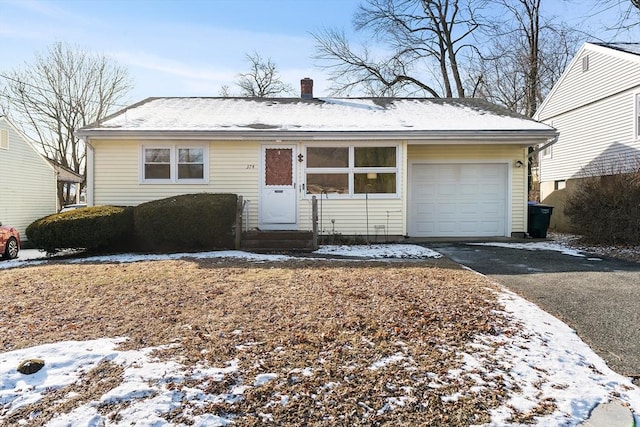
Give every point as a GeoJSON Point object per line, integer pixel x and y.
{"type": "Point", "coordinates": [353, 170]}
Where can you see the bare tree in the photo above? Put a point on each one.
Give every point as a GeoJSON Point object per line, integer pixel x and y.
{"type": "Point", "coordinates": [424, 41]}
{"type": "Point", "coordinates": [61, 91]}
{"type": "Point", "coordinates": [526, 56]}
{"type": "Point", "coordinates": [262, 80]}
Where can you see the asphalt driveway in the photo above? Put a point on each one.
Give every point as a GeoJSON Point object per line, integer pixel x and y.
{"type": "Point", "coordinates": [598, 297]}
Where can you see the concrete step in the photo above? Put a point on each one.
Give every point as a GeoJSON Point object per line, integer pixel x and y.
{"type": "Point", "coordinates": [273, 241]}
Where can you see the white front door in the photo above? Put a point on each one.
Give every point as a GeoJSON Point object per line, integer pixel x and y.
{"type": "Point", "coordinates": [278, 209]}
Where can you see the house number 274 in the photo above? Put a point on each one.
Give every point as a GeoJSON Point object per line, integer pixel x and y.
{"type": "Point", "coordinates": [251, 166]}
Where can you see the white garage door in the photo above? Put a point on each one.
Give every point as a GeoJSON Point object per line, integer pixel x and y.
{"type": "Point", "coordinates": [458, 200]}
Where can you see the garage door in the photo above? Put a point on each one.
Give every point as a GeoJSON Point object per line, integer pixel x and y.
{"type": "Point", "coordinates": [458, 200]}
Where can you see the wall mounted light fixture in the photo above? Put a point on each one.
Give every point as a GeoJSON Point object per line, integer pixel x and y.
{"type": "Point", "coordinates": [518, 163]}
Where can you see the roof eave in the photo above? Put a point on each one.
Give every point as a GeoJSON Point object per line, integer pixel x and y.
{"type": "Point", "coordinates": [517, 136]}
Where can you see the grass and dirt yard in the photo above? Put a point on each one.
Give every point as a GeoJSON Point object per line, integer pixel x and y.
{"type": "Point", "coordinates": [314, 342]}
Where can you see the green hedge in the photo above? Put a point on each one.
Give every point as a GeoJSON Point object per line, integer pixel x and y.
{"type": "Point", "coordinates": [98, 227]}
{"type": "Point", "coordinates": [188, 222]}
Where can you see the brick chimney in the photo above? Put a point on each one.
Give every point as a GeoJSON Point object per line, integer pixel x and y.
{"type": "Point", "coordinates": [306, 88]}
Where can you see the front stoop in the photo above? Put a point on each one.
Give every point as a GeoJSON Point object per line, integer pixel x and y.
{"type": "Point", "coordinates": [277, 241]}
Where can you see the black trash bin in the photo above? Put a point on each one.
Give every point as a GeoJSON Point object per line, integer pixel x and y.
{"type": "Point", "coordinates": [539, 217]}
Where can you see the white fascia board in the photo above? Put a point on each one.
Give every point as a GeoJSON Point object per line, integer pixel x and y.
{"type": "Point", "coordinates": [449, 137]}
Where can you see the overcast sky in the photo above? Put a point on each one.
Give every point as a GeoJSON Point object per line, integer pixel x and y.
{"type": "Point", "coordinates": [193, 47]}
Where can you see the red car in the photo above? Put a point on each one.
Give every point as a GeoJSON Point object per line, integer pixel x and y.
{"type": "Point", "coordinates": [9, 242]}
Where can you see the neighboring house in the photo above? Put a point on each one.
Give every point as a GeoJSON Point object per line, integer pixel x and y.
{"type": "Point", "coordinates": [27, 182]}
{"type": "Point", "coordinates": [68, 176]}
{"type": "Point", "coordinates": [595, 106]}
{"type": "Point", "coordinates": [391, 167]}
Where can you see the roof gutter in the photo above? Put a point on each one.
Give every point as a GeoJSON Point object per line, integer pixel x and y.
{"type": "Point", "coordinates": [529, 137]}
{"type": "Point", "coordinates": [543, 147]}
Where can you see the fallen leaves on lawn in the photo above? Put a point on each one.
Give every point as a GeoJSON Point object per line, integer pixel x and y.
{"type": "Point", "coordinates": [316, 342]}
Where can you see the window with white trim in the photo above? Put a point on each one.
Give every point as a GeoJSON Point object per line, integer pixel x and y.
{"type": "Point", "coordinates": [174, 164]}
{"type": "Point", "coordinates": [4, 139]}
{"type": "Point", "coordinates": [352, 170]}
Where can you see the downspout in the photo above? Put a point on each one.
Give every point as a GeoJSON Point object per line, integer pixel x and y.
{"type": "Point", "coordinates": [90, 172]}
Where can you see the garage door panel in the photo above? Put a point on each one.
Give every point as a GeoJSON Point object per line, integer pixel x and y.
{"type": "Point", "coordinates": [446, 227]}
{"type": "Point", "coordinates": [446, 208]}
{"type": "Point", "coordinates": [445, 189]}
{"type": "Point", "coordinates": [470, 189]}
{"type": "Point", "coordinates": [493, 209]}
{"type": "Point", "coordinates": [468, 209]}
{"type": "Point", "coordinates": [426, 209]}
{"type": "Point", "coordinates": [425, 190]}
{"type": "Point", "coordinates": [458, 200]}
{"type": "Point", "coordinates": [490, 227]}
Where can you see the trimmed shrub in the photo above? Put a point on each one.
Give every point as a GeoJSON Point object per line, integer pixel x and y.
{"type": "Point", "coordinates": [606, 210]}
{"type": "Point", "coordinates": [188, 222]}
{"type": "Point", "coordinates": [96, 227]}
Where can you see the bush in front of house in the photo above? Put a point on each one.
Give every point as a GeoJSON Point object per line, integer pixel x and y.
{"type": "Point", "coordinates": [188, 222]}
{"type": "Point", "coordinates": [96, 227]}
{"type": "Point", "coordinates": [606, 210]}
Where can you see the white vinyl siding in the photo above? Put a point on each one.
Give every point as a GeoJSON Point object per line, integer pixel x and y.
{"type": "Point", "coordinates": [233, 168]}
{"type": "Point", "coordinates": [597, 139]}
{"type": "Point", "coordinates": [28, 185]}
{"type": "Point", "coordinates": [610, 72]}
{"type": "Point", "coordinates": [508, 154]}
{"type": "Point", "coordinates": [596, 114]}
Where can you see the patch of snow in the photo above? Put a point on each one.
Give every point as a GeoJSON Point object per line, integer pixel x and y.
{"type": "Point", "coordinates": [546, 359]}
{"type": "Point", "coordinates": [534, 246]}
{"type": "Point", "coordinates": [377, 251]}
{"type": "Point", "coordinates": [387, 361]}
{"type": "Point", "coordinates": [264, 378]}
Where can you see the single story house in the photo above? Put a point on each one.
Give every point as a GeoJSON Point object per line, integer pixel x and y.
{"type": "Point", "coordinates": [595, 105]}
{"type": "Point", "coordinates": [28, 181]}
{"type": "Point", "coordinates": [386, 166]}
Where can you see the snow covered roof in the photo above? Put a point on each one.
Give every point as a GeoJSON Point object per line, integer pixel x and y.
{"type": "Point", "coordinates": [633, 48]}
{"type": "Point", "coordinates": [325, 115]}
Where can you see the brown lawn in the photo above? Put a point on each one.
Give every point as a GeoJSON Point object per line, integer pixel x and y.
{"type": "Point", "coordinates": [336, 318]}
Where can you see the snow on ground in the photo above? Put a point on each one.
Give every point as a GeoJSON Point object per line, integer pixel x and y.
{"type": "Point", "coordinates": [379, 251]}
{"type": "Point", "coordinates": [534, 246]}
{"type": "Point", "coordinates": [29, 257]}
{"type": "Point", "coordinates": [542, 359]}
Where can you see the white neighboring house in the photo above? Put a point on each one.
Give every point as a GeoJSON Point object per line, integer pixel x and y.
{"type": "Point", "coordinates": [595, 106]}
{"type": "Point", "coordinates": [27, 183]}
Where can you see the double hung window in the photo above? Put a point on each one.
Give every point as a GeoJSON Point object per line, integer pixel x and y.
{"type": "Point", "coordinates": [174, 164]}
{"type": "Point", "coordinates": [351, 170]}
